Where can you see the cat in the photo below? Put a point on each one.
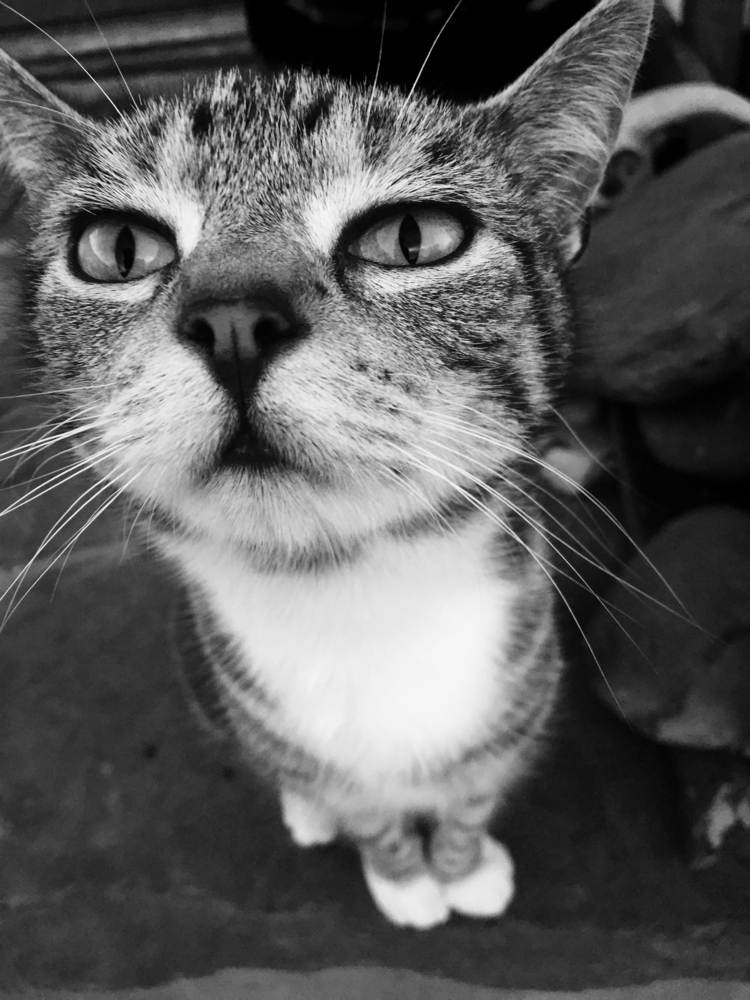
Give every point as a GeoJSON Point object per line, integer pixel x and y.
{"type": "Point", "coordinates": [316, 330]}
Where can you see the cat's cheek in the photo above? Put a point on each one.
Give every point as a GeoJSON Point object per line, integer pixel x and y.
{"type": "Point", "coordinates": [164, 426]}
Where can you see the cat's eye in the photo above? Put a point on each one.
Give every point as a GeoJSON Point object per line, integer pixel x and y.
{"type": "Point", "coordinates": [116, 250]}
{"type": "Point", "coordinates": [410, 238]}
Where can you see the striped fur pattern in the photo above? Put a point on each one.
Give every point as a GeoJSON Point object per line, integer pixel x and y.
{"type": "Point", "coordinates": [339, 455]}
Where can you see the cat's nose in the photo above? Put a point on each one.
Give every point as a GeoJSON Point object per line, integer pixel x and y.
{"type": "Point", "coordinates": [237, 337]}
{"type": "Point", "coordinates": [236, 330]}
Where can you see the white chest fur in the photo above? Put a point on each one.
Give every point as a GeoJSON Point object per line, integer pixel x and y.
{"type": "Point", "coordinates": [378, 666]}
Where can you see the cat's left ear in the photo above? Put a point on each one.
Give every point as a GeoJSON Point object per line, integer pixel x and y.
{"type": "Point", "coordinates": [556, 126]}
{"type": "Point", "coordinates": [38, 131]}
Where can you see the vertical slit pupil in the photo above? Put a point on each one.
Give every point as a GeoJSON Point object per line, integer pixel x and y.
{"type": "Point", "coordinates": [125, 251]}
{"type": "Point", "coordinates": [410, 239]}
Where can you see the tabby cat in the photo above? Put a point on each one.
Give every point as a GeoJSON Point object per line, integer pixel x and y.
{"type": "Point", "coordinates": [315, 331]}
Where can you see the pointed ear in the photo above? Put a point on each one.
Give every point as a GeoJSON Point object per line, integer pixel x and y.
{"type": "Point", "coordinates": [557, 125]}
{"type": "Point", "coordinates": [37, 129]}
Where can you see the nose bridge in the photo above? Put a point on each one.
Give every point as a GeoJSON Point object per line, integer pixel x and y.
{"type": "Point", "coordinates": [231, 267]}
{"type": "Point", "coordinates": [240, 306]}
{"type": "Point", "coordinates": [239, 338]}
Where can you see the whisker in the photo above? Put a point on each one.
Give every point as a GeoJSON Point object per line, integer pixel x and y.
{"type": "Point", "coordinates": [70, 544]}
{"type": "Point", "coordinates": [493, 517]}
{"type": "Point", "coordinates": [64, 550]}
{"type": "Point", "coordinates": [469, 431]}
{"type": "Point", "coordinates": [58, 478]}
{"type": "Point", "coordinates": [141, 509]}
{"type": "Point", "coordinates": [426, 60]}
{"type": "Point", "coordinates": [548, 536]}
{"type": "Point", "coordinates": [532, 522]}
{"type": "Point", "coordinates": [47, 109]}
{"type": "Point", "coordinates": [72, 510]}
{"type": "Point", "coordinates": [78, 63]}
{"type": "Point", "coordinates": [50, 435]}
{"type": "Point", "coordinates": [78, 124]}
{"type": "Point", "coordinates": [577, 549]}
{"type": "Point", "coordinates": [380, 59]}
{"type": "Point", "coordinates": [32, 447]}
{"type": "Point", "coordinates": [579, 441]}
{"type": "Point", "coordinates": [594, 531]}
{"type": "Point", "coordinates": [38, 478]}
{"type": "Point", "coordinates": [111, 54]}
{"type": "Point", "coordinates": [424, 501]}
{"type": "Point", "coordinates": [58, 392]}
{"type": "Point", "coordinates": [60, 427]}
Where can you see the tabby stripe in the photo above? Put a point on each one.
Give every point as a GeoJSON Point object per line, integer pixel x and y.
{"type": "Point", "coordinates": [543, 312]}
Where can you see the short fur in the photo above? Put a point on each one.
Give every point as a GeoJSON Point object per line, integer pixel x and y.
{"type": "Point", "coordinates": [370, 584]}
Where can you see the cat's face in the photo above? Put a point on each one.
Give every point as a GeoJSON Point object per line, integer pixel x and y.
{"type": "Point", "coordinates": [276, 211]}
{"type": "Point", "coordinates": [291, 313]}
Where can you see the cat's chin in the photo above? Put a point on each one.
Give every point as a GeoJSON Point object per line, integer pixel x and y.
{"type": "Point", "coordinates": [284, 513]}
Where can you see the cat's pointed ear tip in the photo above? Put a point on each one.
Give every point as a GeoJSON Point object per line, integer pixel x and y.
{"type": "Point", "coordinates": [635, 16]}
{"type": "Point", "coordinates": [642, 8]}
{"type": "Point", "coordinates": [632, 18]}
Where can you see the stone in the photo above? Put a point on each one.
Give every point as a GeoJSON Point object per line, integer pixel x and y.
{"type": "Point", "coordinates": [662, 287]}
{"type": "Point", "coordinates": [714, 801]}
{"type": "Point", "coordinates": [674, 652]}
{"type": "Point", "coordinates": [707, 434]}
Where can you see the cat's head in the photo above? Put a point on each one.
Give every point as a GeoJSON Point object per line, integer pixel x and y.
{"type": "Point", "coordinates": [292, 313]}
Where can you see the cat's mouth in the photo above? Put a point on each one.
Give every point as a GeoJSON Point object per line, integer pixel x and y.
{"type": "Point", "coordinates": [247, 449]}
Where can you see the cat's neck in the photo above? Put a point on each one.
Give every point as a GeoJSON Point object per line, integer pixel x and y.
{"type": "Point", "coordinates": [408, 636]}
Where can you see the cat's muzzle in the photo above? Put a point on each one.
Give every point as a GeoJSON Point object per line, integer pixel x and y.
{"type": "Point", "coordinates": [238, 339]}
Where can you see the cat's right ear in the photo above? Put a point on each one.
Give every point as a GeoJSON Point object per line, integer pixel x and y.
{"type": "Point", "coordinates": [37, 129]}
{"type": "Point", "coordinates": [555, 128]}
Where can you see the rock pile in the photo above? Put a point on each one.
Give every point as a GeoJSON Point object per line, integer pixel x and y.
{"type": "Point", "coordinates": [665, 285]}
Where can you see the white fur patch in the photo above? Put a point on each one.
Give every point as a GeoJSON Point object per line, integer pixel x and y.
{"type": "Point", "coordinates": [180, 210]}
{"type": "Point", "coordinates": [377, 667]}
{"type": "Point", "coordinates": [420, 902]}
{"type": "Point", "coordinates": [489, 889]}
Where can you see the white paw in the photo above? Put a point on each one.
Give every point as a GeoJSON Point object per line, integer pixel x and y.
{"type": "Point", "coordinates": [419, 902]}
{"type": "Point", "coordinates": [309, 824]}
{"type": "Point", "coordinates": [489, 889]}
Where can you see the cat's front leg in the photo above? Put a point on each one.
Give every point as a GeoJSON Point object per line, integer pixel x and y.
{"type": "Point", "coordinates": [476, 870]}
{"type": "Point", "coordinates": [466, 872]}
{"type": "Point", "coordinates": [400, 882]}
{"type": "Point", "coordinates": [487, 888]}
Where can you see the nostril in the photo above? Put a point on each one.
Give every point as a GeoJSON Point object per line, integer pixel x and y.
{"type": "Point", "coordinates": [243, 330]}
{"type": "Point", "coordinates": [269, 329]}
{"type": "Point", "coordinates": [200, 332]}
